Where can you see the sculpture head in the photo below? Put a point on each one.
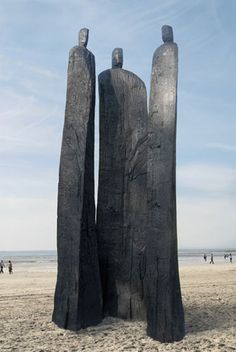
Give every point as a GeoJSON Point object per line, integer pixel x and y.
{"type": "Point", "coordinates": [167, 34]}
{"type": "Point", "coordinates": [117, 58]}
{"type": "Point", "coordinates": [83, 37]}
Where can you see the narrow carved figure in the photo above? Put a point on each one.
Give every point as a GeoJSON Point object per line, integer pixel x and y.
{"type": "Point", "coordinates": [77, 301]}
{"type": "Point", "coordinates": [165, 316]}
{"type": "Point", "coordinates": [122, 190]}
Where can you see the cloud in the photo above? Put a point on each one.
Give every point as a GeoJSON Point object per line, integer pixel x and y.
{"type": "Point", "coordinates": [27, 181]}
{"type": "Point", "coordinates": [206, 223]}
{"type": "Point", "coordinates": [27, 223]}
{"type": "Point", "coordinates": [213, 180]}
{"type": "Point", "coordinates": [222, 146]}
{"type": "Point", "coordinates": [28, 124]}
{"type": "Point", "coordinates": [11, 69]}
{"type": "Point", "coordinates": [33, 64]}
{"type": "Point", "coordinates": [42, 71]}
{"type": "Point", "coordinates": [31, 114]}
{"type": "Point", "coordinates": [206, 205]}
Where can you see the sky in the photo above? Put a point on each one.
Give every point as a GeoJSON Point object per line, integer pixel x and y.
{"type": "Point", "coordinates": [36, 36]}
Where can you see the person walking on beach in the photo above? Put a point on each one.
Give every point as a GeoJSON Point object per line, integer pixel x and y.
{"type": "Point", "coordinates": [205, 257]}
{"type": "Point", "coordinates": [212, 259]}
{"type": "Point", "coordinates": [230, 258]}
{"type": "Point", "coordinates": [2, 265]}
{"type": "Point", "coordinates": [10, 267]}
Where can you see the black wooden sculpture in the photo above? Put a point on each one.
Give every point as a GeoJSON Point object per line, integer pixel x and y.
{"type": "Point", "coordinates": [165, 317]}
{"type": "Point", "coordinates": [78, 290]}
{"type": "Point", "coordinates": [127, 266]}
{"type": "Point", "coordinates": [122, 189]}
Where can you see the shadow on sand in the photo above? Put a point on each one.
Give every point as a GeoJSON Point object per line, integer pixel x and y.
{"type": "Point", "coordinates": [209, 317]}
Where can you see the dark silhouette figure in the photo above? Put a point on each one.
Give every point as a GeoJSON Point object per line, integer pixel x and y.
{"type": "Point", "coordinates": [122, 192]}
{"type": "Point", "coordinates": [165, 314]}
{"type": "Point", "coordinates": [205, 257]}
{"type": "Point", "coordinates": [10, 267]}
{"type": "Point", "coordinates": [212, 259]}
{"type": "Point", "coordinates": [77, 301]}
{"type": "Point", "coordinates": [2, 265]}
{"type": "Point", "coordinates": [230, 258]}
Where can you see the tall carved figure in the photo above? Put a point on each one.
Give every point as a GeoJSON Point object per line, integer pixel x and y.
{"type": "Point", "coordinates": [122, 190]}
{"type": "Point", "coordinates": [165, 316]}
{"type": "Point", "coordinates": [77, 302]}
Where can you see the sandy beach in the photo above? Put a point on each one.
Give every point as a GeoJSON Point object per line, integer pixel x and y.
{"type": "Point", "coordinates": [26, 303]}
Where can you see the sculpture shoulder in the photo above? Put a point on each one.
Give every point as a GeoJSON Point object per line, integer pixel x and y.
{"type": "Point", "coordinates": [134, 77]}
{"type": "Point", "coordinates": [104, 75]}
{"type": "Point", "coordinates": [80, 51]}
{"type": "Point", "coordinates": [120, 73]}
{"type": "Point", "coordinates": [165, 49]}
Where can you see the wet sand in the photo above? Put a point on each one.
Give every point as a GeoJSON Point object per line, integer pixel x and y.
{"type": "Point", "coordinates": [26, 303]}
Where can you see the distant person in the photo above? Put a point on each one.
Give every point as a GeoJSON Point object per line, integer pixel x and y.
{"type": "Point", "coordinates": [230, 258]}
{"type": "Point", "coordinates": [205, 257]}
{"type": "Point", "coordinates": [2, 265]}
{"type": "Point", "coordinates": [10, 267]}
{"type": "Point", "coordinates": [212, 259]}
{"type": "Point", "coordinates": [225, 256]}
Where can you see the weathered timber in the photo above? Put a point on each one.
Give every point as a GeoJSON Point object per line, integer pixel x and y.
{"type": "Point", "coordinates": [165, 316]}
{"type": "Point", "coordinates": [122, 190]}
{"type": "Point", "coordinates": [77, 301]}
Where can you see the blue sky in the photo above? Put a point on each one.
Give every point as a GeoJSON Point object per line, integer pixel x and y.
{"type": "Point", "coordinates": [36, 36]}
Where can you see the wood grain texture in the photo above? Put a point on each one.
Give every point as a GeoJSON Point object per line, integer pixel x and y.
{"type": "Point", "coordinates": [165, 316]}
{"type": "Point", "coordinates": [122, 192]}
{"type": "Point", "coordinates": [78, 291]}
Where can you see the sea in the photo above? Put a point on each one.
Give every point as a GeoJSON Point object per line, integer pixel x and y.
{"type": "Point", "coordinates": [46, 260]}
